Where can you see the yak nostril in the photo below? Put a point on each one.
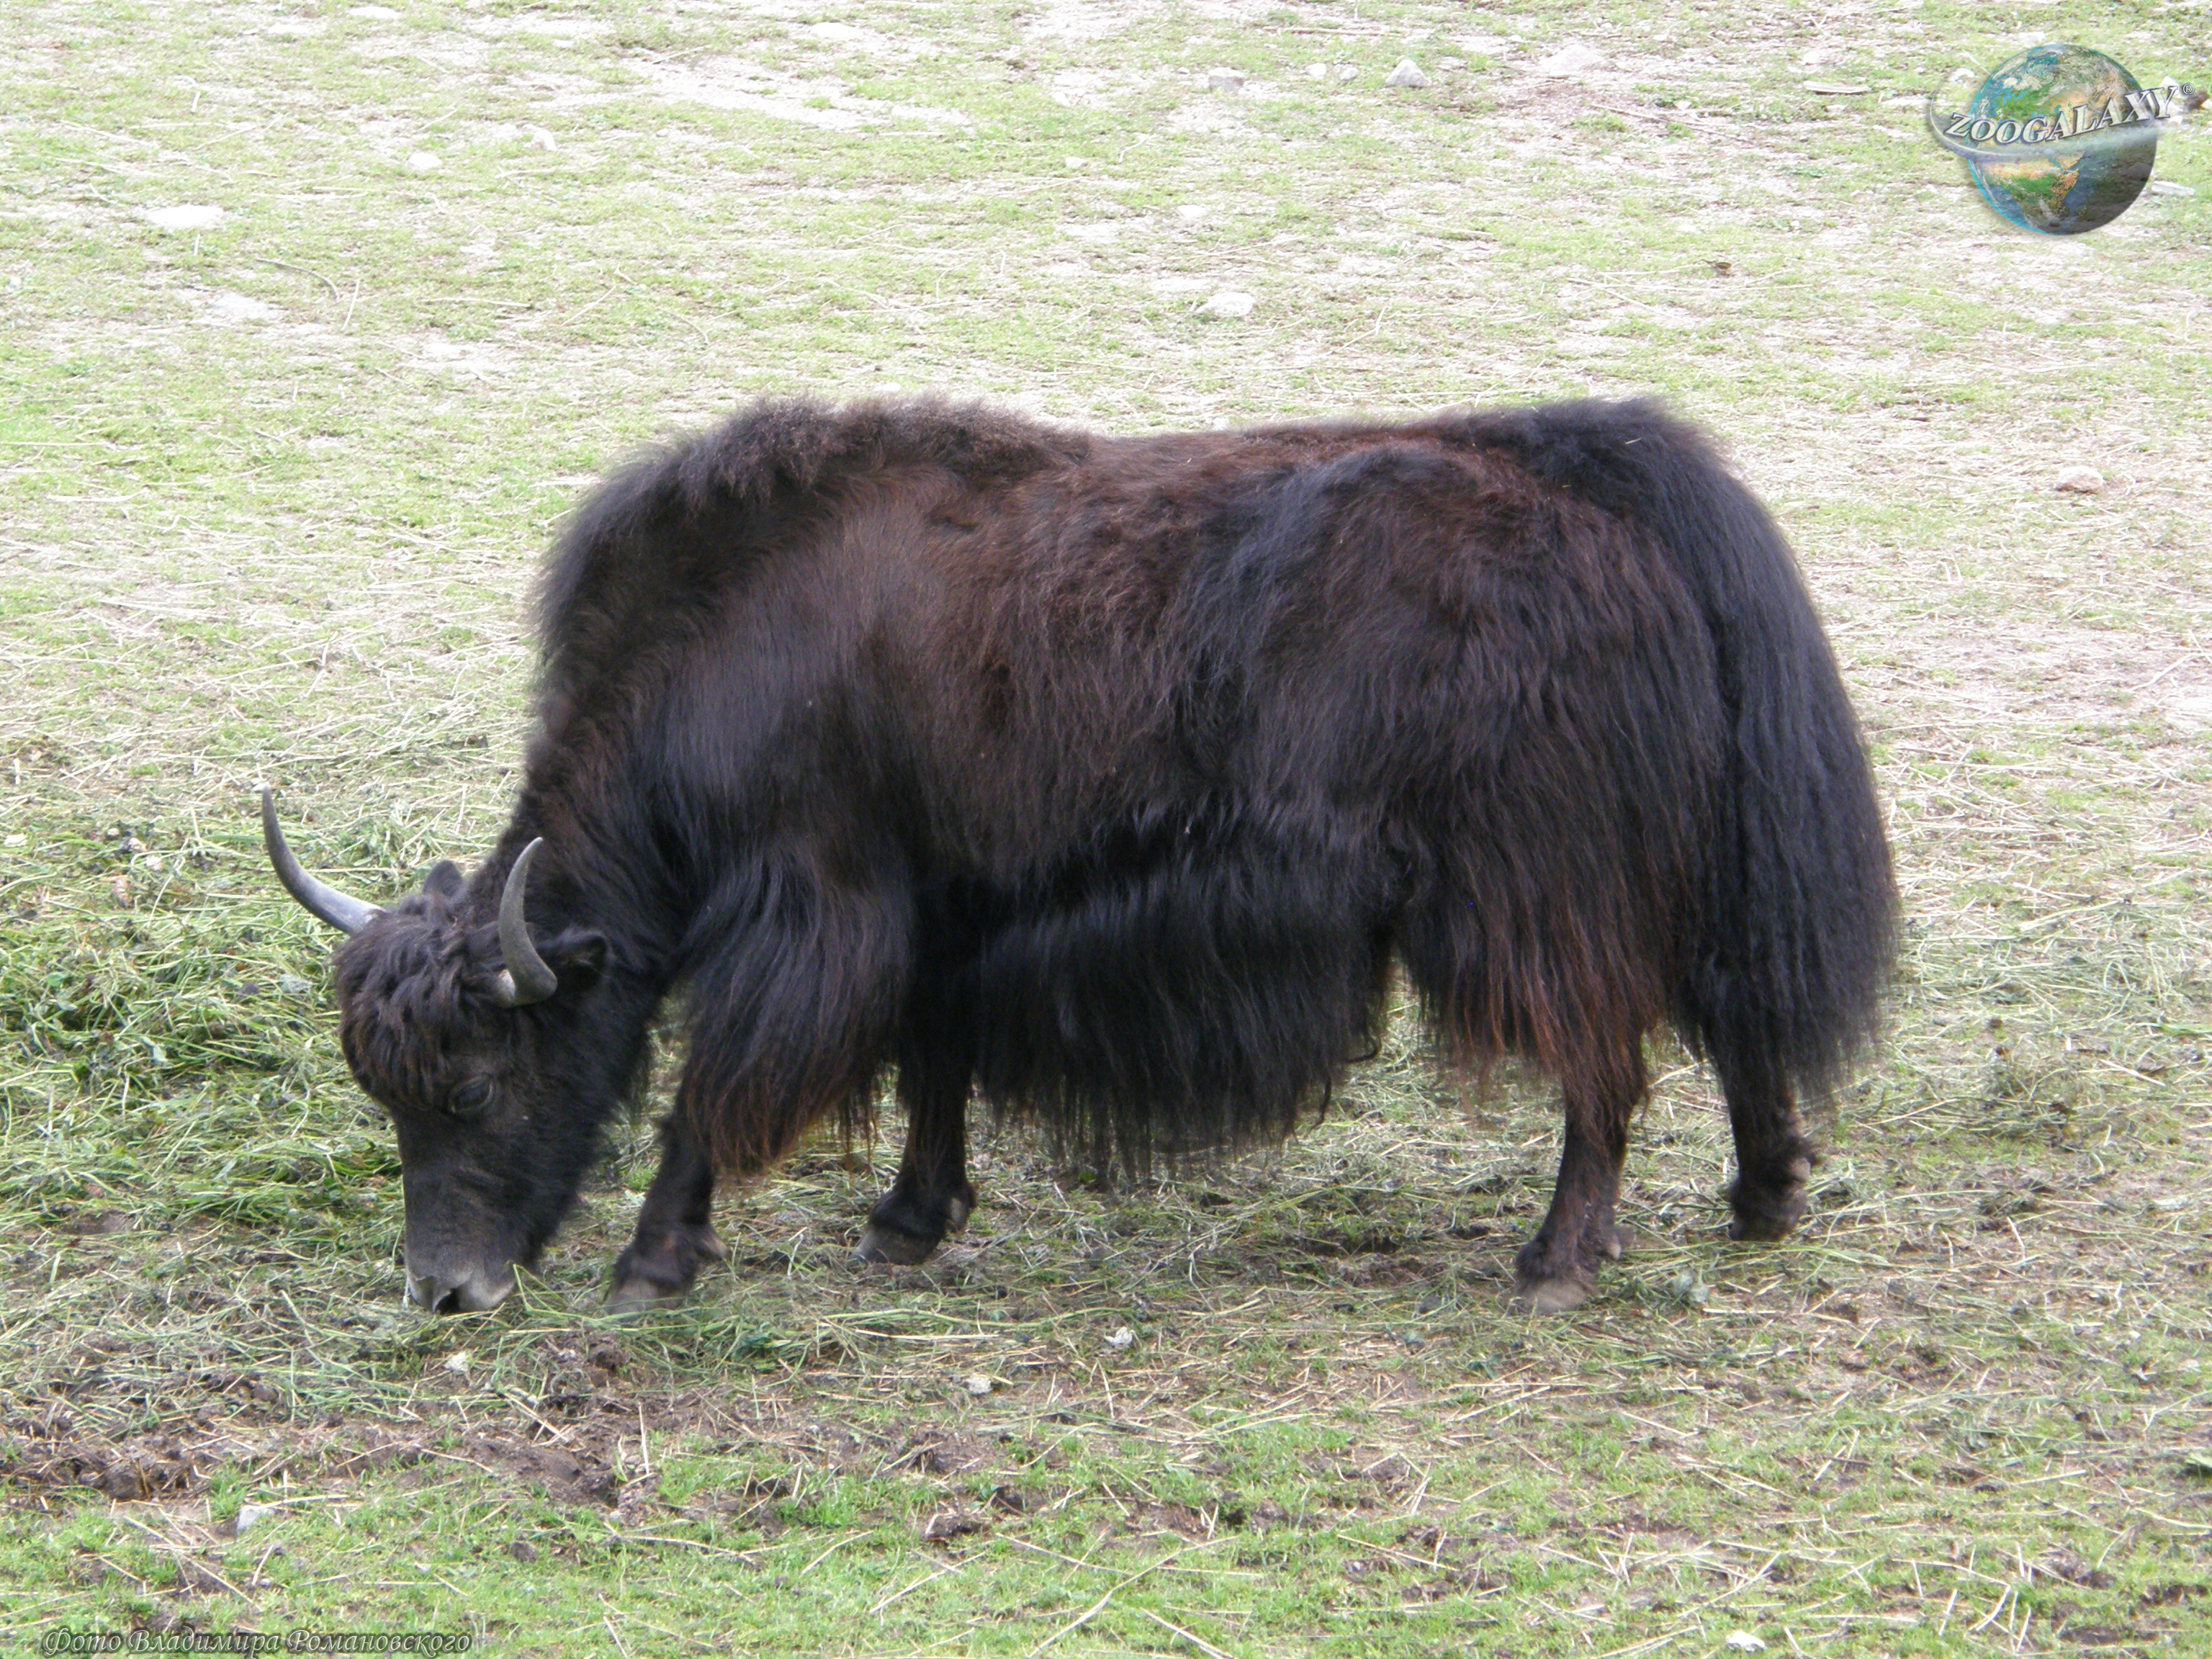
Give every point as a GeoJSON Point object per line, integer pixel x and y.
{"type": "Point", "coordinates": [426, 1293]}
{"type": "Point", "coordinates": [475, 1293]}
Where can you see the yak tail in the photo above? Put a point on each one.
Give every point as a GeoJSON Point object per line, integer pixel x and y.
{"type": "Point", "coordinates": [1793, 946]}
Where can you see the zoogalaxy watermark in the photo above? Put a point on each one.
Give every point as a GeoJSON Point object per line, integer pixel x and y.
{"type": "Point", "coordinates": [2067, 122]}
{"type": "Point", "coordinates": [2061, 139]}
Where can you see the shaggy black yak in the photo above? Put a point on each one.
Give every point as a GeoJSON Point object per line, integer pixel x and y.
{"type": "Point", "coordinates": [1108, 777]}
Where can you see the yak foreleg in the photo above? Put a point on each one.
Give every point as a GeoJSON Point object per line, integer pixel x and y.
{"type": "Point", "coordinates": [675, 1233]}
{"type": "Point", "coordinates": [931, 1196]}
{"type": "Point", "coordinates": [1557, 1267]}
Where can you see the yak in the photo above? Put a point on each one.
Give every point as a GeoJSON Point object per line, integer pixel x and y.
{"type": "Point", "coordinates": [1111, 780]}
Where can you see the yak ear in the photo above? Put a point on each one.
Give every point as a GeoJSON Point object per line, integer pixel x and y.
{"type": "Point", "coordinates": [444, 879]}
{"type": "Point", "coordinates": [577, 957]}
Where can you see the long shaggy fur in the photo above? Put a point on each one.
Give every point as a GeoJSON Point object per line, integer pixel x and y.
{"type": "Point", "coordinates": [1122, 769]}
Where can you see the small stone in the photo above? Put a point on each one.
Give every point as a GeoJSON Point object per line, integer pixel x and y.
{"type": "Point", "coordinates": [1229, 303]}
{"type": "Point", "coordinates": [16, 841]}
{"type": "Point", "coordinates": [459, 1364]}
{"type": "Point", "coordinates": [423, 161]}
{"type": "Point", "coordinates": [1836, 88]}
{"type": "Point", "coordinates": [374, 14]}
{"type": "Point", "coordinates": [1408, 74]}
{"type": "Point", "coordinates": [1573, 58]}
{"type": "Point", "coordinates": [523, 1551]}
{"type": "Point", "coordinates": [979, 1385]}
{"type": "Point", "coordinates": [188, 216]}
{"type": "Point", "coordinates": [2080, 481]}
{"type": "Point", "coordinates": [253, 1515]}
{"type": "Point", "coordinates": [542, 139]}
{"type": "Point", "coordinates": [2168, 187]}
{"type": "Point", "coordinates": [292, 984]}
{"type": "Point", "coordinates": [1689, 1290]}
{"type": "Point", "coordinates": [1963, 77]}
{"type": "Point", "coordinates": [1316, 71]}
{"type": "Point", "coordinates": [1744, 1642]}
{"type": "Point", "coordinates": [1119, 1339]}
{"type": "Point", "coordinates": [1224, 80]}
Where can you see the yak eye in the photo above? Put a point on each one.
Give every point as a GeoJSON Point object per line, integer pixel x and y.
{"type": "Point", "coordinates": [471, 1096]}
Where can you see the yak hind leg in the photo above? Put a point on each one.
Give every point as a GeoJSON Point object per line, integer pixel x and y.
{"type": "Point", "coordinates": [1556, 1269]}
{"type": "Point", "coordinates": [931, 1196]}
{"type": "Point", "coordinates": [1773, 1157]}
{"type": "Point", "coordinates": [675, 1235]}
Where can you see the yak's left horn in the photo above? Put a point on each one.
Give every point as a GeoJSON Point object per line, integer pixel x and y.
{"type": "Point", "coordinates": [348, 916]}
{"type": "Point", "coordinates": [526, 978]}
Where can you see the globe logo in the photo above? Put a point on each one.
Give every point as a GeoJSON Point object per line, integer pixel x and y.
{"type": "Point", "coordinates": [2061, 139]}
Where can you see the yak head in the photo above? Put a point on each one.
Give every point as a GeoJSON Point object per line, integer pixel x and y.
{"type": "Point", "coordinates": [497, 1056]}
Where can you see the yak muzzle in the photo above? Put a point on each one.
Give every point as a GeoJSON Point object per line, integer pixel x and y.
{"type": "Point", "coordinates": [469, 1292]}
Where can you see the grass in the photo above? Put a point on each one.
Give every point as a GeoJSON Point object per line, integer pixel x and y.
{"type": "Point", "coordinates": [270, 493]}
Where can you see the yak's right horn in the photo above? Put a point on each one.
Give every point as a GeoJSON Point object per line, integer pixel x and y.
{"type": "Point", "coordinates": [348, 916]}
{"type": "Point", "coordinates": [527, 977]}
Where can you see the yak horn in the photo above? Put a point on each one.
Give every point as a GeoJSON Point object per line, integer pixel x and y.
{"type": "Point", "coordinates": [526, 979]}
{"type": "Point", "coordinates": [348, 916]}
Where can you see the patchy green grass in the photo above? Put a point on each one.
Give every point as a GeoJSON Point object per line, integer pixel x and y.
{"type": "Point", "coordinates": [270, 492]}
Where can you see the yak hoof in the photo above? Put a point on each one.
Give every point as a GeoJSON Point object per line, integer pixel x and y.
{"type": "Point", "coordinates": [1770, 1202]}
{"type": "Point", "coordinates": [888, 1245]}
{"type": "Point", "coordinates": [1549, 1296]}
{"type": "Point", "coordinates": [1762, 1228]}
{"type": "Point", "coordinates": [1765, 1217]}
{"type": "Point", "coordinates": [662, 1276]}
{"type": "Point", "coordinates": [638, 1291]}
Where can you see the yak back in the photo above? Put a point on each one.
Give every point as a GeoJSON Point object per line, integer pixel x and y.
{"type": "Point", "coordinates": [1157, 751]}
{"type": "Point", "coordinates": [671, 529]}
